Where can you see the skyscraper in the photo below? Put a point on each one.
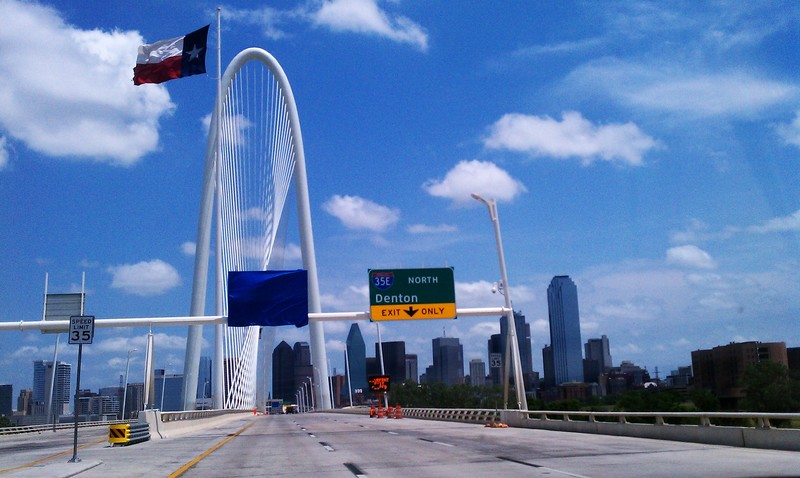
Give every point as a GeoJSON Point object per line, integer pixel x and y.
{"type": "Point", "coordinates": [496, 355]}
{"type": "Point", "coordinates": [598, 349]}
{"type": "Point", "coordinates": [411, 368]}
{"type": "Point", "coordinates": [394, 361]}
{"type": "Point", "coordinates": [167, 390]}
{"type": "Point", "coordinates": [283, 385]}
{"type": "Point", "coordinates": [448, 361]}
{"type": "Point", "coordinates": [477, 372]}
{"type": "Point", "coordinates": [6, 400]}
{"type": "Point", "coordinates": [523, 331]}
{"type": "Point", "coordinates": [25, 401]}
{"type": "Point", "coordinates": [42, 376]}
{"type": "Point", "coordinates": [565, 330]}
{"type": "Point", "coordinates": [357, 359]}
{"type": "Point", "coordinates": [304, 370]}
{"type": "Point", "coordinates": [204, 378]}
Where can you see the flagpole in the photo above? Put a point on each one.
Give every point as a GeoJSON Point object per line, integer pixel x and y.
{"type": "Point", "coordinates": [219, 329]}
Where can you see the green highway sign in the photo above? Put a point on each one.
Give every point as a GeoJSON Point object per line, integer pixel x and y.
{"type": "Point", "coordinates": [412, 294]}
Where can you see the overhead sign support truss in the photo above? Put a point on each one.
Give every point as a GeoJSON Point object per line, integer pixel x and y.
{"type": "Point", "coordinates": [63, 325]}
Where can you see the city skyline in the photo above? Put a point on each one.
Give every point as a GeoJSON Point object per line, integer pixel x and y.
{"type": "Point", "coordinates": [298, 369]}
{"type": "Point", "coordinates": [649, 150]}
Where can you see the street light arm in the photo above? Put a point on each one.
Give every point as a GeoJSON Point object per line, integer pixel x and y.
{"type": "Point", "coordinates": [512, 335]}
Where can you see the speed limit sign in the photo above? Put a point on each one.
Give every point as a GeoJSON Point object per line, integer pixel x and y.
{"type": "Point", "coordinates": [81, 329]}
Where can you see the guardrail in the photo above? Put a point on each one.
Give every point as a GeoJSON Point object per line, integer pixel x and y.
{"type": "Point", "coordinates": [58, 426]}
{"type": "Point", "coordinates": [454, 414]}
{"type": "Point", "coordinates": [170, 424]}
{"type": "Point", "coordinates": [703, 419]}
{"type": "Point", "coordinates": [196, 414]}
{"type": "Point", "coordinates": [755, 430]}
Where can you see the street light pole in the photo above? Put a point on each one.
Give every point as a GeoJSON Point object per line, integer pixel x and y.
{"type": "Point", "coordinates": [522, 402]}
{"type": "Point", "coordinates": [125, 390]}
{"type": "Point", "coordinates": [302, 402]}
{"type": "Point", "coordinates": [349, 384]}
{"type": "Point", "coordinates": [311, 392]}
{"type": "Point", "coordinates": [164, 387]}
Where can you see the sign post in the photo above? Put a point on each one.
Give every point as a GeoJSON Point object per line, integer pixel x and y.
{"type": "Point", "coordinates": [412, 294]}
{"type": "Point", "coordinates": [81, 331]}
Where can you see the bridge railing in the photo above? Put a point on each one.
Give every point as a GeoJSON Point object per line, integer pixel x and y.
{"type": "Point", "coordinates": [743, 419]}
{"type": "Point", "coordinates": [196, 414]}
{"type": "Point", "coordinates": [58, 426]}
{"type": "Point", "coordinates": [754, 430]}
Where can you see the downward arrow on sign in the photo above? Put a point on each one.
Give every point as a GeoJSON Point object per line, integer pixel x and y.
{"type": "Point", "coordinates": [410, 311]}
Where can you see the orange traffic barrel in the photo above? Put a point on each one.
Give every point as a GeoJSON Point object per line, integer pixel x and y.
{"type": "Point", "coordinates": [398, 413]}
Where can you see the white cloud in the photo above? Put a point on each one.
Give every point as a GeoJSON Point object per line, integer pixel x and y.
{"type": "Point", "coordinates": [90, 108]}
{"type": "Point", "coordinates": [641, 309]}
{"type": "Point", "coordinates": [697, 230]}
{"type": "Point", "coordinates": [121, 345]}
{"type": "Point", "coordinates": [346, 299]}
{"type": "Point", "coordinates": [267, 18]}
{"type": "Point", "coordinates": [292, 252]}
{"type": "Point", "coordinates": [479, 294]}
{"type": "Point", "coordinates": [189, 248]}
{"type": "Point", "coordinates": [334, 345]}
{"type": "Point", "coordinates": [690, 256]}
{"type": "Point", "coordinates": [3, 153]}
{"type": "Point", "coordinates": [478, 177]}
{"type": "Point", "coordinates": [365, 16]}
{"type": "Point", "coordinates": [484, 329]}
{"type": "Point", "coordinates": [627, 349]}
{"type": "Point", "coordinates": [779, 224]}
{"type": "Point", "coordinates": [359, 213]}
{"type": "Point", "coordinates": [426, 229]}
{"type": "Point", "coordinates": [791, 132]}
{"type": "Point", "coordinates": [145, 278]}
{"type": "Point", "coordinates": [673, 88]}
{"type": "Point", "coordinates": [573, 136]}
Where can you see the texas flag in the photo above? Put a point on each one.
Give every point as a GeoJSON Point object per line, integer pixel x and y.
{"type": "Point", "coordinates": [174, 58]}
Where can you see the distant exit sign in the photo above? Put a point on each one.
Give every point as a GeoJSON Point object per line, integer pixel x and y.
{"type": "Point", "coordinates": [412, 294]}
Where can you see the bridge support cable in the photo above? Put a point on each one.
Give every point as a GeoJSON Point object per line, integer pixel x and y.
{"type": "Point", "coordinates": [254, 157]}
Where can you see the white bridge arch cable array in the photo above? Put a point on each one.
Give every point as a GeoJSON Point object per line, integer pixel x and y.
{"type": "Point", "coordinates": [255, 150]}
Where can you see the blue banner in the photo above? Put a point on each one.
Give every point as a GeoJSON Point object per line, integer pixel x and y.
{"type": "Point", "coordinates": [268, 298]}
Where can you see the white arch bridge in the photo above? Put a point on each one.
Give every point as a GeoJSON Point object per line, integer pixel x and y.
{"type": "Point", "coordinates": [254, 157]}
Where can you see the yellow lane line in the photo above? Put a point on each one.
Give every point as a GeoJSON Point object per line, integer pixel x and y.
{"type": "Point", "coordinates": [180, 471]}
{"type": "Point", "coordinates": [42, 460]}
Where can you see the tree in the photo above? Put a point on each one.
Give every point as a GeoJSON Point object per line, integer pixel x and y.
{"type": "Point", "coordinates": [770, 388]}
{"type": "Point", "coordinates": [705, 400]}
{"type": "Point", "coordinates": [5, 422]}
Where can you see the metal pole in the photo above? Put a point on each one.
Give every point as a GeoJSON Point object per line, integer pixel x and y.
{"type": "Point", "coordinates": [522, 402]}
{"type": "Point", "coordinates": [50, 403]}
{"type": "Point", "coordinates": [311, 392]}
{"type": "Point", "coordinates": [75, 458]}
{"type": "Point", "coordinates": [125, 390]}
{"type": "Point", "coordinates": [349, 384]}
{"type": "Point", "coordinates": [330, 385]}
{"type": "Point", "coordinates": [380, 353]}
{"type": "Point", "coordinates": [164, 387]}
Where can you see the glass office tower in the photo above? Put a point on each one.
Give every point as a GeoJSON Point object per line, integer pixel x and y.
{"type": "Point", "coordinates": [565, 330]}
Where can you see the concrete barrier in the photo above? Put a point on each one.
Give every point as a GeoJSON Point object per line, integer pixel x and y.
{"type": "Point", "coordinates": [762, 435]}
{"type": "Point", "coordinates": [172, 424]}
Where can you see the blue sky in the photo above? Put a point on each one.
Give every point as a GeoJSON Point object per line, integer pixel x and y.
{"type": "Point", "coordinates": [650, 150]}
